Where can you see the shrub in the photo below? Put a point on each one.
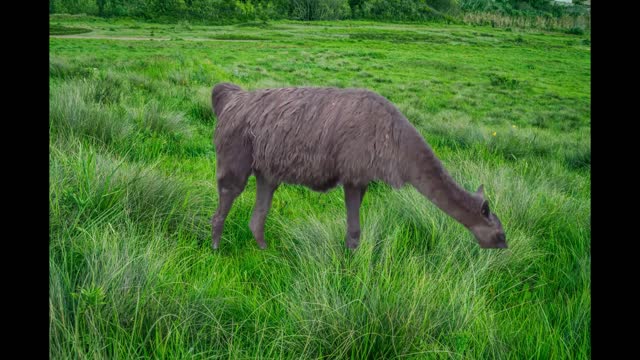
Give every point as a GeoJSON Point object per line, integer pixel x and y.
{"type": "Point", "coordinates": [575, 31]}
{"type": "Point", "coordinates": [320, 9]}
{"type": "Point", "coordinates": [400, 10]}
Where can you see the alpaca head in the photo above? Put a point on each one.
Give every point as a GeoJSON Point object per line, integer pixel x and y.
{"type": "Point", "coordinates": [486, 226]}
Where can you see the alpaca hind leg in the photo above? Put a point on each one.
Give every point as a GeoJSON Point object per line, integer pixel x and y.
{"type": "Point", "coordinates": [264, 195]}
{"type": "Point", "coordinates": [229, 187]}
{"type": "Point", "coordinates": [226, 197]}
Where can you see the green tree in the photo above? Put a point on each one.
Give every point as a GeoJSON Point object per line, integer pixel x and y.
{"type": "Point", "coordinates": [443, 5]}
{"type": "Point", "coordinates": [356, 7]}
{"type": "Point", "coordinates": [101, 4]}
{"type": "Point", "coordinates": [319, 9]}
{"type": "Point", "coordinates": [165, 7]}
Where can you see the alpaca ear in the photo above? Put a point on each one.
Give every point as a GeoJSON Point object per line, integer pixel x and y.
{"type": "Point", "coordinates": [480, 191]}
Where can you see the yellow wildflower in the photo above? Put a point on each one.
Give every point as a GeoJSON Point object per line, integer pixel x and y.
{"type": "Point", "coordinates": [493, 133]}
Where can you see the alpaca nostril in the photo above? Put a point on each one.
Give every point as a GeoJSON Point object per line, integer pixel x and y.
{"type": "Point", "coordinates": [501, 241]}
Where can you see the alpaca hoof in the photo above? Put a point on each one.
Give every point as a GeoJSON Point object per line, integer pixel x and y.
{"type": "Point", "coordinates": [352, 245]}
{"type": "Point", "coordinates": [262, 245]}
{"type": "Point", "coordinates": [214, 246]}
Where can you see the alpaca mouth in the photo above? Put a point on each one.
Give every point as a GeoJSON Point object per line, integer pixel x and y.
{"type": "Point", "coordinates": [502, 241]}
{"type": "Point", "coordinates": [499, 242]}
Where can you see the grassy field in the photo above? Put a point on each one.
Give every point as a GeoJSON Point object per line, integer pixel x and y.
{"type": "Point", "coordinates": [132, 170]}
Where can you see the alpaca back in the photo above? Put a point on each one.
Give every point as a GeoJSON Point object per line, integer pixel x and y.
{"type": "Point", "coordinates": [317, 137]}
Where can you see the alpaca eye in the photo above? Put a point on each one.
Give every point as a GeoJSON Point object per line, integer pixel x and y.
{"type": "Point", "coordinates": [485, 209]}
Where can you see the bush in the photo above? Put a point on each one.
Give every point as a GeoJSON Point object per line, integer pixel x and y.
{"type": "Point", "coordinates": [575, 31]}
{"type": "Point", "coordinates": [320, 9]}
{"type": "Point", "coordinates": [226, 11]}
{"type": "Point", "coordinates": [406, 10]}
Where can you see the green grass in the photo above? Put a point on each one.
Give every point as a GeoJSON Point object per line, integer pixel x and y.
{"type": "Point", "coordinates": [132, 189]}
{"type": "Point", "coordinates": [55, 29]}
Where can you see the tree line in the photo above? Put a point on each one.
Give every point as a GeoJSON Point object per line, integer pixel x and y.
{"type": "Point", "coordinates": [216, 11]}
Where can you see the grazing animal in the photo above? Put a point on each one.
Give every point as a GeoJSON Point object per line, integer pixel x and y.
{"type": "Point", "coordinates": [322, 137]}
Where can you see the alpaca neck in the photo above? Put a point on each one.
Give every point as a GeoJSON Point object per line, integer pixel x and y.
{"type": "Point", "coordinates": [431, 179]}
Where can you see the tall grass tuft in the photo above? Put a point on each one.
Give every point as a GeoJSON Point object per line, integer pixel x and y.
{"type": "Point", "coordinates": [97, 187]}
{"type": "Point", "coordinates": [156, 118]}
{"type": "Point", "coordinates": [75, 109]}
{"type": "Point", "coordinates": [62, 68]}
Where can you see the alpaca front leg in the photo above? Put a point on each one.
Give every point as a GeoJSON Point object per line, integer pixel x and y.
{"type": "Point", "coordinates": [353, 199]}
{"type": "Point", "coordinates": [264, 196]}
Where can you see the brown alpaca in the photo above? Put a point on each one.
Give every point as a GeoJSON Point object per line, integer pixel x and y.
{"type": "Point", "coordinates": [322, 137]}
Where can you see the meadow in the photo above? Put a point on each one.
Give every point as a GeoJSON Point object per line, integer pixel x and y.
{"type": "Point", "coordinates": [132, 190]}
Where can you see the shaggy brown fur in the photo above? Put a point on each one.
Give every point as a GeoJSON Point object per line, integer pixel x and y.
{"type": "Point", "coordinates": [322, 137]}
